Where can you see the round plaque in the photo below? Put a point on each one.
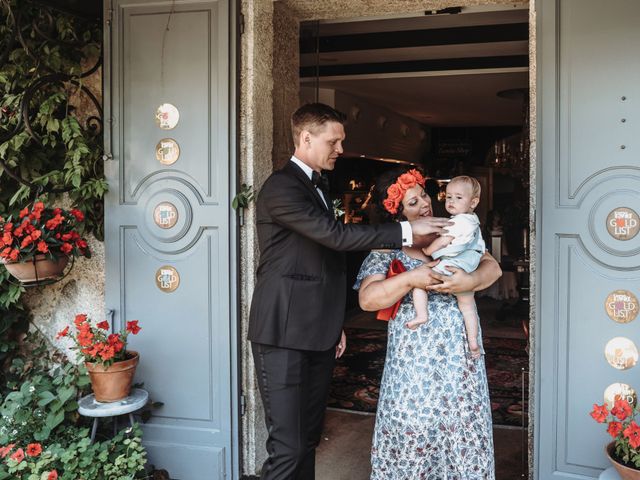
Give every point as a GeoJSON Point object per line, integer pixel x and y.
{"type": "Point", "coordinates": [165, 215]}
{"type": "Point", "coordinates": [621, 353]}
{"type": "Point", "coordinates": [621, 306]}
{"type": "Point", "coordinates": [167, 151]}
{"type": "Point", "coordinates": [619, 391]}
{"type": "Point", "coordinates": [167, 278]}
{"type": "Point", "coordinates": [623, 223]}
{"type": "Point", "coordinates": [167, 116]}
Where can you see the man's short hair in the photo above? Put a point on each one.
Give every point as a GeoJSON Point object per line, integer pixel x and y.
{"type": "Point", "coordinates": [312, 117]}
{"type": "Point", "coordinates": [474, 184]}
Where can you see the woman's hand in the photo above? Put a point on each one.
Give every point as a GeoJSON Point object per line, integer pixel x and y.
{"type": "Point", "coordinates": [424, 276]}
{"type": "Point", "coordinates": [459, 281]}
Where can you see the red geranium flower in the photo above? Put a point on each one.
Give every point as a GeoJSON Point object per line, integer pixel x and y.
{"type": "Point", "coordinates": [599, 413]}
{"type": "Point", "coordinates": [18, 455]}
{"type": "Point", "coordinates": [43, 247]}
{"type": "Point", "coordinates": [34, 449]}
{"type": "Point", "coordinates": [104, 325]}
{"type": "Point", "coordinates": [632, 432]}
{"type": "Point", "coordinates": [4, 451]}
{"type": "Point", "coordinates": [66, 248]}
{"type": "Point", "coordinates": [24, 212]}
{"type": "Point", "coordinates": [63, 333]}
{"type": "Point", "coordinates": [53, 475]}
{"type": "Point", "coordinates": [132, 327]}
{"type": "Point", "coordinates": [77, 214]}
{"type": "Point", "coordinates": [614, 429]}
{"type": "Point", "coordinates": [621, 409]}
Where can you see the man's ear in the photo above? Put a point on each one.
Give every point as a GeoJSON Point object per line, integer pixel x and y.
{"type": "Point", "coordinates": [305, 138]}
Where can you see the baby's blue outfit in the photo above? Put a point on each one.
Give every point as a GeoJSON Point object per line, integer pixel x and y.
{"type": "Point", "coordinates": [465, 256]}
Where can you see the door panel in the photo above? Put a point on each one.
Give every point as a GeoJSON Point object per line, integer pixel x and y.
{"type": "Point", "coordinates": [587, 84]}
{"type": "Point", "coordinates": [167, 225]}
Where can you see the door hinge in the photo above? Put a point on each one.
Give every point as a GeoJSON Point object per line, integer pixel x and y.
{"type": "Point", "coordinates": [241, 24]}
{"type": "Point", "coordinates": [243, 404]}
{"type": "Point", "coordinates": [109, 16]}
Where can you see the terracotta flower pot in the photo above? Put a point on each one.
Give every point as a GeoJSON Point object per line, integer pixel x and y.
{"type": "Point", "coordinates": [114, 383]}
{"type": "Point", "coordinates": [42, 269]}
{"type": "Point", "coordinates": [626, 473]}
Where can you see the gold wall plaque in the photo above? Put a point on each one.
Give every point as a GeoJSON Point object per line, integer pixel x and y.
{"type": "Point", "coordinates": [167, 151]}
{"type": "Point", "coordinates": [619, 391]}
{"type": "Point", "coordinates": [167, 278]}
{"type": "Point", "coordinates": [621, 306]}
{"type": "Point", "coordinates": [167, 116]}
{"type": "Point", "coordinates": [623, 223]}
{"type": "Point", "coordinates": [165, 215]}
{"type": "Point", "coordinates": [621, 353]}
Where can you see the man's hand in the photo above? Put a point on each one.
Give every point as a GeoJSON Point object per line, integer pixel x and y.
{"type": "Point", "coordinates": [426, 230]}
{"type": "Point", "coordinates": [342, 345]}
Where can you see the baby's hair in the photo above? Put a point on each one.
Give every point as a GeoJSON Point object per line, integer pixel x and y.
{"type": "Point", "coordinates": [476, 189]}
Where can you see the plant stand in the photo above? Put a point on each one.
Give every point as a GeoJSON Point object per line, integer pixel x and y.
{"type": "Point", "coordinates": [89, 407]}
{"type": "Point", "coordinates": [609, 474]}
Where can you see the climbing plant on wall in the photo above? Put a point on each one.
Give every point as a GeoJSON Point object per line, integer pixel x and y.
{"type": "Point", "coordinates": [50, 122]}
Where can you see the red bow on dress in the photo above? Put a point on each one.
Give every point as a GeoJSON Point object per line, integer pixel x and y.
{"type": "Point", "coordinates": [388, 313]}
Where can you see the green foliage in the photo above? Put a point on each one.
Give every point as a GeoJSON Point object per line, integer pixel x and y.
{"type": "Point", "coordinates": [60, 150]}
{"type": "Point", "coordinates": [39, 405]}
{"type": "Point", "coordinates": [244, 197]}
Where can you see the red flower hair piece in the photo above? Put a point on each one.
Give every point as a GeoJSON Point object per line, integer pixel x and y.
{"type": "Point", "coordinates": [395, 192]}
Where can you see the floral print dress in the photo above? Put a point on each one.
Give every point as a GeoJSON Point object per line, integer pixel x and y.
{"type": "Point", "coordinates": [434, 419]}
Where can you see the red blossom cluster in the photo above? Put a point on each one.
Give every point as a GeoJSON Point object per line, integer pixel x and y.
{"type": "Point", "coordinates": [40, 230]}
{"type": "Point", "coordinates": [621, 423]}
{"type": "Point", "coordinates": [32, 450]}
{"type": "Point", "coordinates": [96, 344]}
{"type": "Point", "coordinates": [395, 192]}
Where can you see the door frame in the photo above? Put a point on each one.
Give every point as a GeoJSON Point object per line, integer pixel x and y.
{"type": "Point", "coordinates": [256, 114]}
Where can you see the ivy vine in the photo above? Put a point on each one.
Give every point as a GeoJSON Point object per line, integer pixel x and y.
{"type": "Point", "coordinates": [50, 122]}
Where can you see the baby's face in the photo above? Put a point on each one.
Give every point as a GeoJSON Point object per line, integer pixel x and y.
{"type": "Point", "coordinates": [460, 198]}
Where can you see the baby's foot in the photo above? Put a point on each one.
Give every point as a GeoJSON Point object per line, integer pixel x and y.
{"type": "Point", "coordinates": [474, 348]}
{"type": "Point", "coordinates": [413, 324]}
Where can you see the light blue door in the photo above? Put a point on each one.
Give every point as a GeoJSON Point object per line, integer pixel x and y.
{"type": "Point", "coordinates": [168, 238]}
{"type": "Point", "coordinates": [588, 174]}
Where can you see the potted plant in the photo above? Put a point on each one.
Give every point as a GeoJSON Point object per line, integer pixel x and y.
{"type": "Point", "coordinates": [110, 365]}
{"type": "Point", "coordinates": [624, 450]}
{"type": "Point", "coordinates": [37, 244]}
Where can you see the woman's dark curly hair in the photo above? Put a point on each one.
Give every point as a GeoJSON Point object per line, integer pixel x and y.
{"type": "Point", "coordinates": [383, 182]}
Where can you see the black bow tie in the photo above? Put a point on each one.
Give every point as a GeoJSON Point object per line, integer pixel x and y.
{"type": "Point", "coordinates": [320, 181]}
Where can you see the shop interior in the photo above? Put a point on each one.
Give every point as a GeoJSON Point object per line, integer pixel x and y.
{"type": "Point", "coordinates": [446, 91]}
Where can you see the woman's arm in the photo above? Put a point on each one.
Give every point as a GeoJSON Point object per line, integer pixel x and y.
{"type": "Point", "coordinates": [378, 292]}
{"type": "Point", "coordinates": [460, 281]}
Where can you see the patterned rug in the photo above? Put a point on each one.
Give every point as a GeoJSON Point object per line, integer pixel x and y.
{"type": "Point", "coordinates": [356, 377]}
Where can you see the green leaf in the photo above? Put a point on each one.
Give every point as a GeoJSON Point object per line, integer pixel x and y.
{"type": "Point", "coordinates": [54, 419]}
{"type": "Point", "coordinates": [46, 397]}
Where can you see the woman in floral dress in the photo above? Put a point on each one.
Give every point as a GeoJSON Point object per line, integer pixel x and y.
{"type": "Point", "coordinates": [433, 420]}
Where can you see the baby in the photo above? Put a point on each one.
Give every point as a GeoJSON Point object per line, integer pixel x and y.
{"type": "Point", "coordinates": [461, 247]}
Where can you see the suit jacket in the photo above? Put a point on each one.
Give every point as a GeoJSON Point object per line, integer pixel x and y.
{"type": "Point", "coordinates": [300, 293]}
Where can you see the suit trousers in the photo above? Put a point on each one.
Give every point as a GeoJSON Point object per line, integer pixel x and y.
{"type": "Point", "coordinates": [294, 386]}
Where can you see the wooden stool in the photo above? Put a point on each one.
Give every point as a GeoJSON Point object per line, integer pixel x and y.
{"type": "Point", "coordinates": [89, 407]}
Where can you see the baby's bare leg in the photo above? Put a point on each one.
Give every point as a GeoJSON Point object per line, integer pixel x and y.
{"type": "Point", "coordinates": [420, 304]}
{"type": "Point", "coordinates": [467, 305]}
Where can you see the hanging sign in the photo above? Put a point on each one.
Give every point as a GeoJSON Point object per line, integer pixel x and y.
{"type": "Point", "coordinates": [167, 116]}
{"type": "Point", "coordinates": [167, 151]}
{"type": "Point", "coordinates": [619, 391]}
{"type": "Point", "coordinates": [621, 353]}
{"type": "Point", "coordinates": [621, 306]}
{"type": "Point", "coordinates": [623, 223]}
{"type": "Point", "coordinates": [165, 215]}
{"type": "Point", "coordinates": [167, 278]}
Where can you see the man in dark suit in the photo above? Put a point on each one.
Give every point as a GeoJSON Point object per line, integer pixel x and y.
{"type": "Point", "coordinates": [298, 304]}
